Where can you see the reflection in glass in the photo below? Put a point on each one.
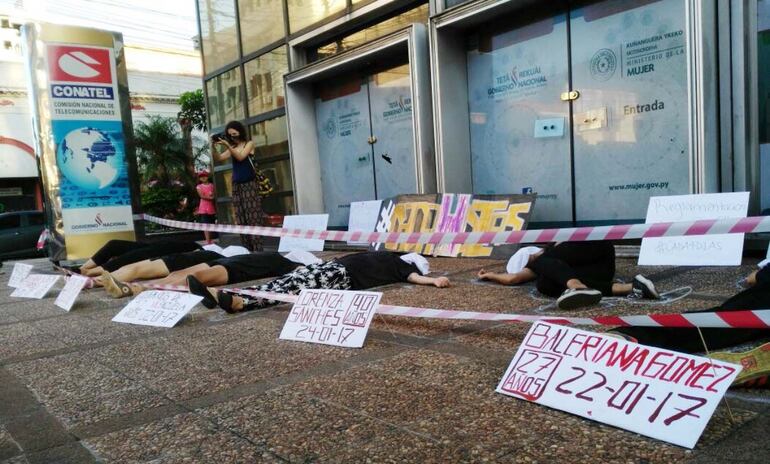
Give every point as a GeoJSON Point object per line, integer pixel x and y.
{"type": "Point", "coordinates": [763, 63]}
{"type": "Point", "coordinates": [264, 81]}
{"type": "Point", "coordinates": [279, 173]}
{"type": "Point", "coordinates": [224, 98]}
{"type": "Point", "coordinates": [278, 204]}
{"type": "Point", "coordinates": [451, 3]}
{"type": "Point", "coordinates": [261, 23]}
{"type": "Point", "coordinates": [303, 13]}
{"type": "Point", "coordinates": [219, 37]}
{"type": "Point", "coordinates": [271, 138]}
{"type": "Point", "coordinates": [415, 15]}
{"type": "Point", "coordinates": [223, 181]}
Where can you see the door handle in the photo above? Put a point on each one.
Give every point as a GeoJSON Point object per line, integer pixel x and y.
{"type": "Point", "coordinates": [371, 140]}
{"type": "Point", "coordinates": [571, 95]}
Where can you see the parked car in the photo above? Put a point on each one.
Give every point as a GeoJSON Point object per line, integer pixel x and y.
{"type": "Point", "coordinates": [19, 231]}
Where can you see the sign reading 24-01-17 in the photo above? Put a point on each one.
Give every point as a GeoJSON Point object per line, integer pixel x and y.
{"type": "Point", "coordinates": [90, 145]}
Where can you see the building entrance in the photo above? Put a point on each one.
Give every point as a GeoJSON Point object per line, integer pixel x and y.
{"type": "Point", "coordinates": [587, 107]}
{"type": "Point", "coordinates": [365, 139]}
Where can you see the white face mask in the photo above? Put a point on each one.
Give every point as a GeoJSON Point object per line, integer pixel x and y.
{"type": "Point", "coordinates": [520, 259]}
{"type": "Point", "coordinates": [418, 260]}
{"type": "Point", "coordinates": [304, 258]}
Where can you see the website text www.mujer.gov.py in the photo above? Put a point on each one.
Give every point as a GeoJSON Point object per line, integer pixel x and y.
{"type": "Point", "coordinates": [640, 186]}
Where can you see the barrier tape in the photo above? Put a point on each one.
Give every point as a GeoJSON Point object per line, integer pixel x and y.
{"type": "Point", "coordinates": [749, 319]}
{"type": "Point", "coordinates": [571, 234]}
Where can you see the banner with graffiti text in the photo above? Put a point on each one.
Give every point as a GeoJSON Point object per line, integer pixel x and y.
{"type": "Point", "coordinates": [450, 212]}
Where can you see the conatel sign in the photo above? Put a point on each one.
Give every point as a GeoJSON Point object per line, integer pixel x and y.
{"type": "Point", "coordinates": [68, 63]}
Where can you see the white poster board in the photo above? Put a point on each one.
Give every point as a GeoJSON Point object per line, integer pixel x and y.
{"type": "Point", "coordinates": [331, 317]}
{"type": "Point", "coordinates": [701, 250]}
{"type": "Point", "coordinates": [35, 286]}
{"type": "Point", "coordinates": [158, 308]}
{"type": "Point", "coordinates": [20, 271]}
{"type": "Point", "coordinates": [70, 292]}
{"type": "Point", "coordinates": [659, 393]}
{"type": "Point", "coordinates": [363, 217]}
{"type": "Point", "coordinates": [304, 222]}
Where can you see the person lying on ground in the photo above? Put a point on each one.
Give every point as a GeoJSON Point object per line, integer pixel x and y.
{"type": "Point", "coordinates": [220, 271]}
{"type": "Point", "coordinates": [118, 253]}
{"type": "Point", "coordinates": [755, 361]}
{"type": "Point", "coordinates": [577, 273]}
{"type": "Point", "coordinates": [352, 272]}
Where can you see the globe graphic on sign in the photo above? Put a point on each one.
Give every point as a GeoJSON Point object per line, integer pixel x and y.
{"type": "Point", "coordinates": [87, 158]}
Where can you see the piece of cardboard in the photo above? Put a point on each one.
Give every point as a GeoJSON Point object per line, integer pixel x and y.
{"type": "Point", "coordinates": [20, 271]}
{"type": "Point", "coordinates": [304, 222]}
{"type": "Point", "coordinates": [331, 317]}
{"type": "Point", "coordinates": [35, 286]}
{"type": "Point", "coordinates": [158, 308]}
{"type": "Point", "coordinates": [363, 217]}
{"type": "Point", "coordinates": [659, 393]}
{"type": "Point", "coordinates": [701, 250]}
{"type": "Point", "coordinates": [69, 294]}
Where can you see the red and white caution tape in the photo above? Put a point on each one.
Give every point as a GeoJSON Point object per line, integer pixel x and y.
{"type": "Point", "coordinates": [42, 239]}
{"type": "Point", "coordinates": [757, 319]}
{"type": "Point", "coordinates": [571, 234]}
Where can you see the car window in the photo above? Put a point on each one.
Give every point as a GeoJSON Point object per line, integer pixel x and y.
{"type": "Point", "coordinates": [9, 222]}
{"type": "Point", "coordinates": [36, 219]}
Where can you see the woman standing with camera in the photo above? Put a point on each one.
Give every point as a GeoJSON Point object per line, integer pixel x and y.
{"type": "Point", "coordinates": [246, 198]}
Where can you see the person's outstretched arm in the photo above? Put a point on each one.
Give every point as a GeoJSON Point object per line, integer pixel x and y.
{"type": "Point", "coordinates": [418, 279]}
{"type": "Point", "coordinates": [504, 278]}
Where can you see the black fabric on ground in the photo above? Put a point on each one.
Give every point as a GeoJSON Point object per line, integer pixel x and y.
{"type": "Point", "coordinates": [688, 341]}
{"type": "Point", "coordinates": [141, 251]}
{"type": "Point", "coordinates": [593, 263]}
{"type": "Point", "coordinates": [115, 248]}
{"type": "Point", "coordinates": [376, 268]}
{"type": "Point", "coordinates": [254, 266]}
{"type": "Point", "coordinates": [179, 261]}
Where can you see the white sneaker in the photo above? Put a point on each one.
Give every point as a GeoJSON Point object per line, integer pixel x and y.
{"type": "Point", "coordinates": [644, 288]}
{"type": "Point", "coordinates": [574, 298]}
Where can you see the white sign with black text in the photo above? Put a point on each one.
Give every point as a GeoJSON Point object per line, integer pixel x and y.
{"type": "Point", "coordinates": [158, 308]}
{"type": "Point", "coordinates": [35, 286]}
{"type": "Point", "coordinates": [363, 217]}
{"type": "Point", "coordinates": [303, 222]}
{"type": "Point", "coordinates": [331, 317]}
{"type": "Point", "coordinates": [70, 292]}
{"type": "Point", "coordinates": [20, 271]}
{"type": "Point", "coordinates": [659, 393]}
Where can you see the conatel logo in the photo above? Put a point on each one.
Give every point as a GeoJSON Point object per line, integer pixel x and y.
{"type": "Point", "coordinates": [98, 219]}
{"type": "Point", "coordinates": [79, 64]}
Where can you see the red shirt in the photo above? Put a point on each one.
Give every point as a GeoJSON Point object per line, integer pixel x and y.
{"type": "Point", "coordinates": [206, 206]}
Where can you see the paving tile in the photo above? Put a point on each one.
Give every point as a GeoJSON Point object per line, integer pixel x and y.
{"type": "Point", "coordinates": [25, 340]}
{"type": "Point", "coordinates": [181, 438]}
{"type": "Point", "coordinates": [8, 447]}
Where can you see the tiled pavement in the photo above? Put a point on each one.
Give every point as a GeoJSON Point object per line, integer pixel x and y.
{"type": "Point", "coordinates": [75, 387]}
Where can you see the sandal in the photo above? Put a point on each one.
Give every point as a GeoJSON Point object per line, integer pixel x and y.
{"type": "Point", "coordinates": [114, 287]}
{"type": "Point", "coordinates": [197, 288]}
{"type": "Point", "coordinates": [226, 302]}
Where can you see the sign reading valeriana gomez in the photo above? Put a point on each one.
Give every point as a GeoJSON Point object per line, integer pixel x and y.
{"type": "Point", "coordinates": [655, 392]}
{"type": "Point", "coordinates": [89, 139]}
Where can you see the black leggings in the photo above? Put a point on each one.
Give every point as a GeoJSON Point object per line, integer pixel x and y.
{"type": "Point", "coordinates": [687, 340]}
{"type": "Point", "coordinates": [118, 253]}
{"type": "Point", "coordinates": [593, 263]}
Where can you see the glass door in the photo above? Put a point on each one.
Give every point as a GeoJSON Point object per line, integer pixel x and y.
{"type": "Point", "coordinates": [345, 155]}
{"type": "Point", "coordinates": [519, 126]}
{"type": "Point", "coordinates": [630, 120]}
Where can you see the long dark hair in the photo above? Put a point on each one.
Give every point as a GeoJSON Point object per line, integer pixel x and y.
{"type": "Point", "coordinates": [242, 135]}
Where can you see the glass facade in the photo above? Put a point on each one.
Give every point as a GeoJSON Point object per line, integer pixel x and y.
{"type": "Point", "coordinates": [304, 13]}
{"type": "Point", "coordinates": [219, 35]}
{"type": "Point", "coordinates": [264, 81]}
{"type": "Point", "coordinates": [224, 98]}
{"type": "Point", "coordinates": [261, 23]}
{"type": "Point", "coordinates": [763, 62]}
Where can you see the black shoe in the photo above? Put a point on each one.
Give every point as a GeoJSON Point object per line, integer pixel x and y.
{"type": "Point", "coordinates": [226, 302]}
{"type": "Point", "coordinates": [197, 288]}
{"type": "Point", "coordinates": [574, 298]}
{"type": "Point", "coordinates": [644, 288]}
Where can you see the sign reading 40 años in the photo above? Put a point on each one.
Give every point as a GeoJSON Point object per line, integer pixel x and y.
{"type": "Point", "coordinates": [89, 139]}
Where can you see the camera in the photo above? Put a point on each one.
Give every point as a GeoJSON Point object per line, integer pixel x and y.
{"type": "Point", "coordinates": [220, 136]}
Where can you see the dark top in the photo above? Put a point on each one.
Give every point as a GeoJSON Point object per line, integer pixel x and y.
{"type": "Point", "coordinates": [242, 171]}
{"type": "Point", "coordinates": [255, 266]}
{"type": "Point", "coordinates": [375, 268]}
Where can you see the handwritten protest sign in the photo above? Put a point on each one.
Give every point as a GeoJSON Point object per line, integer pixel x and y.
{"type": "Point", "coordinates": [20, 271]}
{"type": "Point", "coordinates": [35, 286]}
{"type": "Point", "coordinates": [331, 317]}
{"type": "Point", "coordinates": [706, 250]}
{"type": "Point", "coordinates": [157, 308]}
{"type": "Point", "coordinates": [70, 292]}
{"type": "Point", "coordinates": [304, 222]}
{"type": "Point", "coordinates": [363, 217]}
{"type": "Point", "coordinates": [658, 393]}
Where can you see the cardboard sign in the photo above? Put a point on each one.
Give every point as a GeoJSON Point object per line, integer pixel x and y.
{"type": "Point", "coordinates": [655, 392]}
{"type": "Point", "coordinates": [331, 317]}
{"type": "Point", "coordinates": [304, 222]}
{"type": "Point", "coordinates": [70, 292]}
{"type": "Point", "coordinates": [157, 308]}
{"type": "Point", "coordinates": [705, 250]}
{"type": "Point", "coordinates": [20, 271]}
{"type": "Point", "coordinates": [35, 286]}
{"type": "Point", "coordinates": [363, 217]}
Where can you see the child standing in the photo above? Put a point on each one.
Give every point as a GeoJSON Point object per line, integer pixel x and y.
{"type": "Point", "coordinates": [207, 213]}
